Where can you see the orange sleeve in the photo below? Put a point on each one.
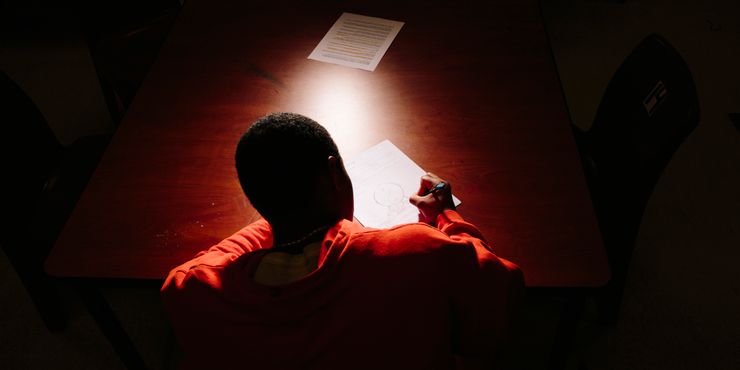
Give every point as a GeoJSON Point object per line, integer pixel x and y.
{"type": "Point", "coordinates": [193, 279]}
{"type": "Point", "coordinates": [452, 224]}
{"type": "Point", "coordinates": [257, 235]}
{"type": "Point", "coordinates": [485, 290]}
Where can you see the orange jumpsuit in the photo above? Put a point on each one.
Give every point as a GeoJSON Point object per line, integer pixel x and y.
{"type": "Point", "coordinates": [409, 297]}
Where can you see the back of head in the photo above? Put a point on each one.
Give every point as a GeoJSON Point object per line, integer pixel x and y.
{"type": "Point", "coordinates": [280, 161]}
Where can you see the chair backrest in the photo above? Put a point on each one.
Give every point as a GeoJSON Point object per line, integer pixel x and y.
{"type": "Point", "coordinates": [650, 106]}
{"type": "Point", "coordinates": [29, 151]}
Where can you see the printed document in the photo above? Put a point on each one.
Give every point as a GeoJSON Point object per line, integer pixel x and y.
{"type": "Point", "coordinates": [357, 41]}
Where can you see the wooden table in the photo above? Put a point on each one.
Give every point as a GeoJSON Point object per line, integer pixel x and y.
{"type": "Point", "coordinates": [469, 91]}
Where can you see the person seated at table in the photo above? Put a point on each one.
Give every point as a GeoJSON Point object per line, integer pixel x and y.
{"type": "Point", "coordinates": [308, 288]}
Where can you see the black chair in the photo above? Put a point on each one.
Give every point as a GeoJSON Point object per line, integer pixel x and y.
{"type": "Point", "coordinates": [42, 181]}
{"type": "Point", "coordinates": [735, 119]}
{"type": "Point", "coordinates": [124, 38]}
{"type": "Point", "coordinates": [649, 108]}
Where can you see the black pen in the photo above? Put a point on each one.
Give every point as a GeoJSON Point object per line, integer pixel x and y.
{"type": "Point", "coordinates": [436, 188]}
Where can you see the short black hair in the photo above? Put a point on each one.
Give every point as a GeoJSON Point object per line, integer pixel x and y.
{"type": "Point", "coordinates": [278, 160]}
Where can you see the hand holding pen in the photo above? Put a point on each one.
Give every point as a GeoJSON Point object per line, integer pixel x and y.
{"type": "Point", "coordinates": [433, 197]}
{"type": "Point", "coordinates": [440, 185]}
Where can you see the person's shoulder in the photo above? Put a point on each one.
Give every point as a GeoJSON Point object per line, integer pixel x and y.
{"type": "Point", "coordinates": [402, 239]}
{"type": "Point", "coordinates": [202, 272]}
{"type": "Point", "coordinates": [416, 230]}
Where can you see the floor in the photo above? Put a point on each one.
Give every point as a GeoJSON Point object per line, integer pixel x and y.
{"type": "Point", "coordinates": [682, 298]}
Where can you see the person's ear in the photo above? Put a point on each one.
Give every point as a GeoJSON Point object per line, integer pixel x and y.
{"type": "Point", "coordinates": [335, 169]}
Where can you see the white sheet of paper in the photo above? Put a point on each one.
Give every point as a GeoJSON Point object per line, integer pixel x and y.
{"type": "Point", "coordinates": [383, 179]}
{"type": "Point", "coordinates": [356, 41]}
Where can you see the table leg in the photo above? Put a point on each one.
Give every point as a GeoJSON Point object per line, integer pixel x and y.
{"type": "Point", "coordinates": [108, 323]}
{"type": "Point", "coordinates": [565, 334]}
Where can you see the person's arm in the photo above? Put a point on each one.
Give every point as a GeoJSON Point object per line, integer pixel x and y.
{"type": "Point", "coordinates": [484, 289]}
{"type": "Point", "coordinates": [485, 292]}
{"type": "Point", "coordinates": [190, 282]}
{"type": "Point", "coordinates": [257, 235]}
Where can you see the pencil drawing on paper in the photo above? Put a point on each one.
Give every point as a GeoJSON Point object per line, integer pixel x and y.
{"type": "Point", "coordinates": [390, 195]}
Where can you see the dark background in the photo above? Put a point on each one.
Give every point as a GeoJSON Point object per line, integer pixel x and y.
{"type": "Point", "coordinates": [682, 297]}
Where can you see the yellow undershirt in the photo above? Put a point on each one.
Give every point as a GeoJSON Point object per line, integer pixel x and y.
{"type": "Point", "coordinates": [280, 268]}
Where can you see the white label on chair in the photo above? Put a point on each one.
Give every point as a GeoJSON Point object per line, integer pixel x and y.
{"type": "Point", "coordinates": [656, 96]}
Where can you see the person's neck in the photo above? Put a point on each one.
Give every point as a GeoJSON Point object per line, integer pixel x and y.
{"type": "Point", "coordinates": [296, 234]}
